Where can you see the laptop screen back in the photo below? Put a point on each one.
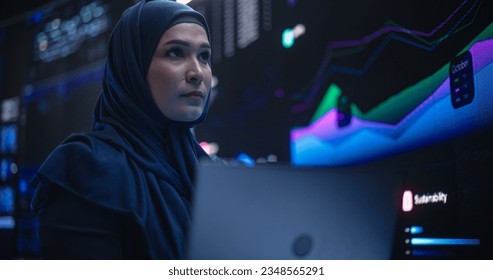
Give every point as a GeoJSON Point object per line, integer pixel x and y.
{"type": "Point", "coordinates": [285, 212]}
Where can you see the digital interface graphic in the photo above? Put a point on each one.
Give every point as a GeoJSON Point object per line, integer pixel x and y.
{"type": "Point", "coordinates": [327, 84]}
{"type": "Point", "coordinates": [423, 113]}
{"type": "Point", "coordinates": [326, 142]}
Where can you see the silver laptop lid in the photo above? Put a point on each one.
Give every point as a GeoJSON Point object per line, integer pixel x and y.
{"type": "Point", "coordinates": [285, 212]}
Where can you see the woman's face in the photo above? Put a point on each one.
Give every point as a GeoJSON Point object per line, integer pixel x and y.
{"type": "Point", "coordinates": [180, 75]}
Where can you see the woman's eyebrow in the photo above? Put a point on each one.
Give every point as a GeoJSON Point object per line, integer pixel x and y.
{"type": "Point", "coordinates": [186, 43]}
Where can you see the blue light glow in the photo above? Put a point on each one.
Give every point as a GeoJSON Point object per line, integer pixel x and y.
{"type": "Point", "coordinates": [8, 139]}
{"type": "Point", "coordinates": [288, 38]}
{"type": "Point", "coordinates": [443, 241]}
{"type": "Point", "coordinates": [7, 222]}
{"type": "Point", "coordinates": [36, 17]}
{"type": "Point", "coordinates": [6, 200]}
{"type": "Point", "coordinates": [416, 229]}
{"type": "Point", "coordinates": [246, 159]}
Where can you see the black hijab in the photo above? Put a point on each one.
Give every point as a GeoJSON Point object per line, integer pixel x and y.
{"type": "Point", "coordinates": [126, 103]}
{"type": "Point", "coordinates": [135, 160]}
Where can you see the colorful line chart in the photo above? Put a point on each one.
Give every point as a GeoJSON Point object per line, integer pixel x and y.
{"type": "Point", "coordinates": [423, 113]}
{"type": "Point", "coordinates": [392, 32]}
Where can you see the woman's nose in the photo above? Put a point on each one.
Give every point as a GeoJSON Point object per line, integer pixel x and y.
{"type": "Point", "coordinates": [194, 73]}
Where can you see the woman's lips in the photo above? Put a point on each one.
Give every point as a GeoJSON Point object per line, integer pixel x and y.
{"type": "Point", "coordinates": [194, 94]}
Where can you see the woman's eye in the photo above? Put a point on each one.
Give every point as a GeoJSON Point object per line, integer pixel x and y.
{"type": "Point", "coordinates": [205, 57]}
{"type": "Point", "coordinates": [174, 52]}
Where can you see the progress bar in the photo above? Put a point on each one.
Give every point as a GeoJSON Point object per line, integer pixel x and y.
{"type": "Point", "coordinates": [420, 241]}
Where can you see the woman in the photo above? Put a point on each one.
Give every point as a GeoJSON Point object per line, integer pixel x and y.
{"type": "Point", "coordinates": [123, 191]}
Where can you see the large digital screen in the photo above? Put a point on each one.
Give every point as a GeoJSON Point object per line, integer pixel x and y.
{"type": "Point", "coordinates": [344, 82]}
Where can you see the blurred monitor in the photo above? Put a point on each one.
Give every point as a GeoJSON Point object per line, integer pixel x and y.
{"type": "Point", "coordinates": [56, 55]}
{"type": "Point", "coordinates": [51, 68]}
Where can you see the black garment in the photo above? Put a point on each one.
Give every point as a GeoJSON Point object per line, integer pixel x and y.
{"type": "Point", "coordinates": [132, 176]}
{"type": "Point", "coordinates": [74, 228]}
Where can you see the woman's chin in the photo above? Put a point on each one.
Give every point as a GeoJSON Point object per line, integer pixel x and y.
{"type": "Point", "coordinates": [188, 116]}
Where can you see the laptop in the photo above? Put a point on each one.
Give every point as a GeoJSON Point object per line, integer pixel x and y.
{"type": "Point", "coordinates": [282, 212]}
